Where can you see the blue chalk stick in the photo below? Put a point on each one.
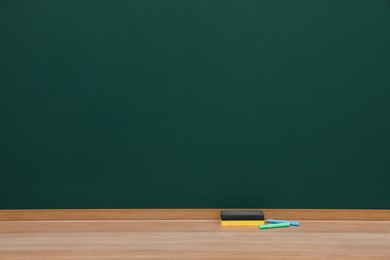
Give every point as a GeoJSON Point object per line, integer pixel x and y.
{"type": "Point", "coordinates": [292, 223]}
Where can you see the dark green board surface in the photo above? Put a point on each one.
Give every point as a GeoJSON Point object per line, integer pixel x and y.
{"type": "Point", "coordinates": [194, 104]}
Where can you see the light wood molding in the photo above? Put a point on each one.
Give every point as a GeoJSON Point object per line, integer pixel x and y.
{"type": "Point", "coordinates": [197, 239]}
{"type": "Point", "coordinates": [187, 214]}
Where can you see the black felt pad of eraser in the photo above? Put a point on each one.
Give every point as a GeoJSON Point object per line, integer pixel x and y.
{"type": "Point", "coordinates": [242, 215]}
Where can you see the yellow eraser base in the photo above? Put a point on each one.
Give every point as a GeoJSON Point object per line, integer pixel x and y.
{"type": "Point", "coordinates": [241, 223]}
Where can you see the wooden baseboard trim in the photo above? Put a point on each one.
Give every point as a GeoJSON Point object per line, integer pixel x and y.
{"type": "Point", "coordinates": [186, 214]}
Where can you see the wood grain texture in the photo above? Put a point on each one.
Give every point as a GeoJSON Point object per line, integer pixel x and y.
{"type": "Point", "coordinates": [192, 239]}
{"type": "Point", "coordinates": [187, 214]}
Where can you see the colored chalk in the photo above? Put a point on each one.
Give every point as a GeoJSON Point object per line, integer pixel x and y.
{"type": "Point", "coordinates": [241, 223]}
{"type": "Point", "coordinates": [275, 221]}
{"type": "Point", "coordinates": [280, 225]}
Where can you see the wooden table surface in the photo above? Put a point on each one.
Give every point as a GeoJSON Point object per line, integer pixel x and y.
{"type": "Point", "coordinates": [195, 239]}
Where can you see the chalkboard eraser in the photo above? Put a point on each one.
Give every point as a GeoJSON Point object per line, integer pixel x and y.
{"type": "Point", "coordinates": [241, 223]}
{"type": "Point", "coordinates": [242, 215]}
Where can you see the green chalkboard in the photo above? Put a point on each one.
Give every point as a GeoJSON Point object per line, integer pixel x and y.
{"type": "Point", "coordinates": [194, 104]}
